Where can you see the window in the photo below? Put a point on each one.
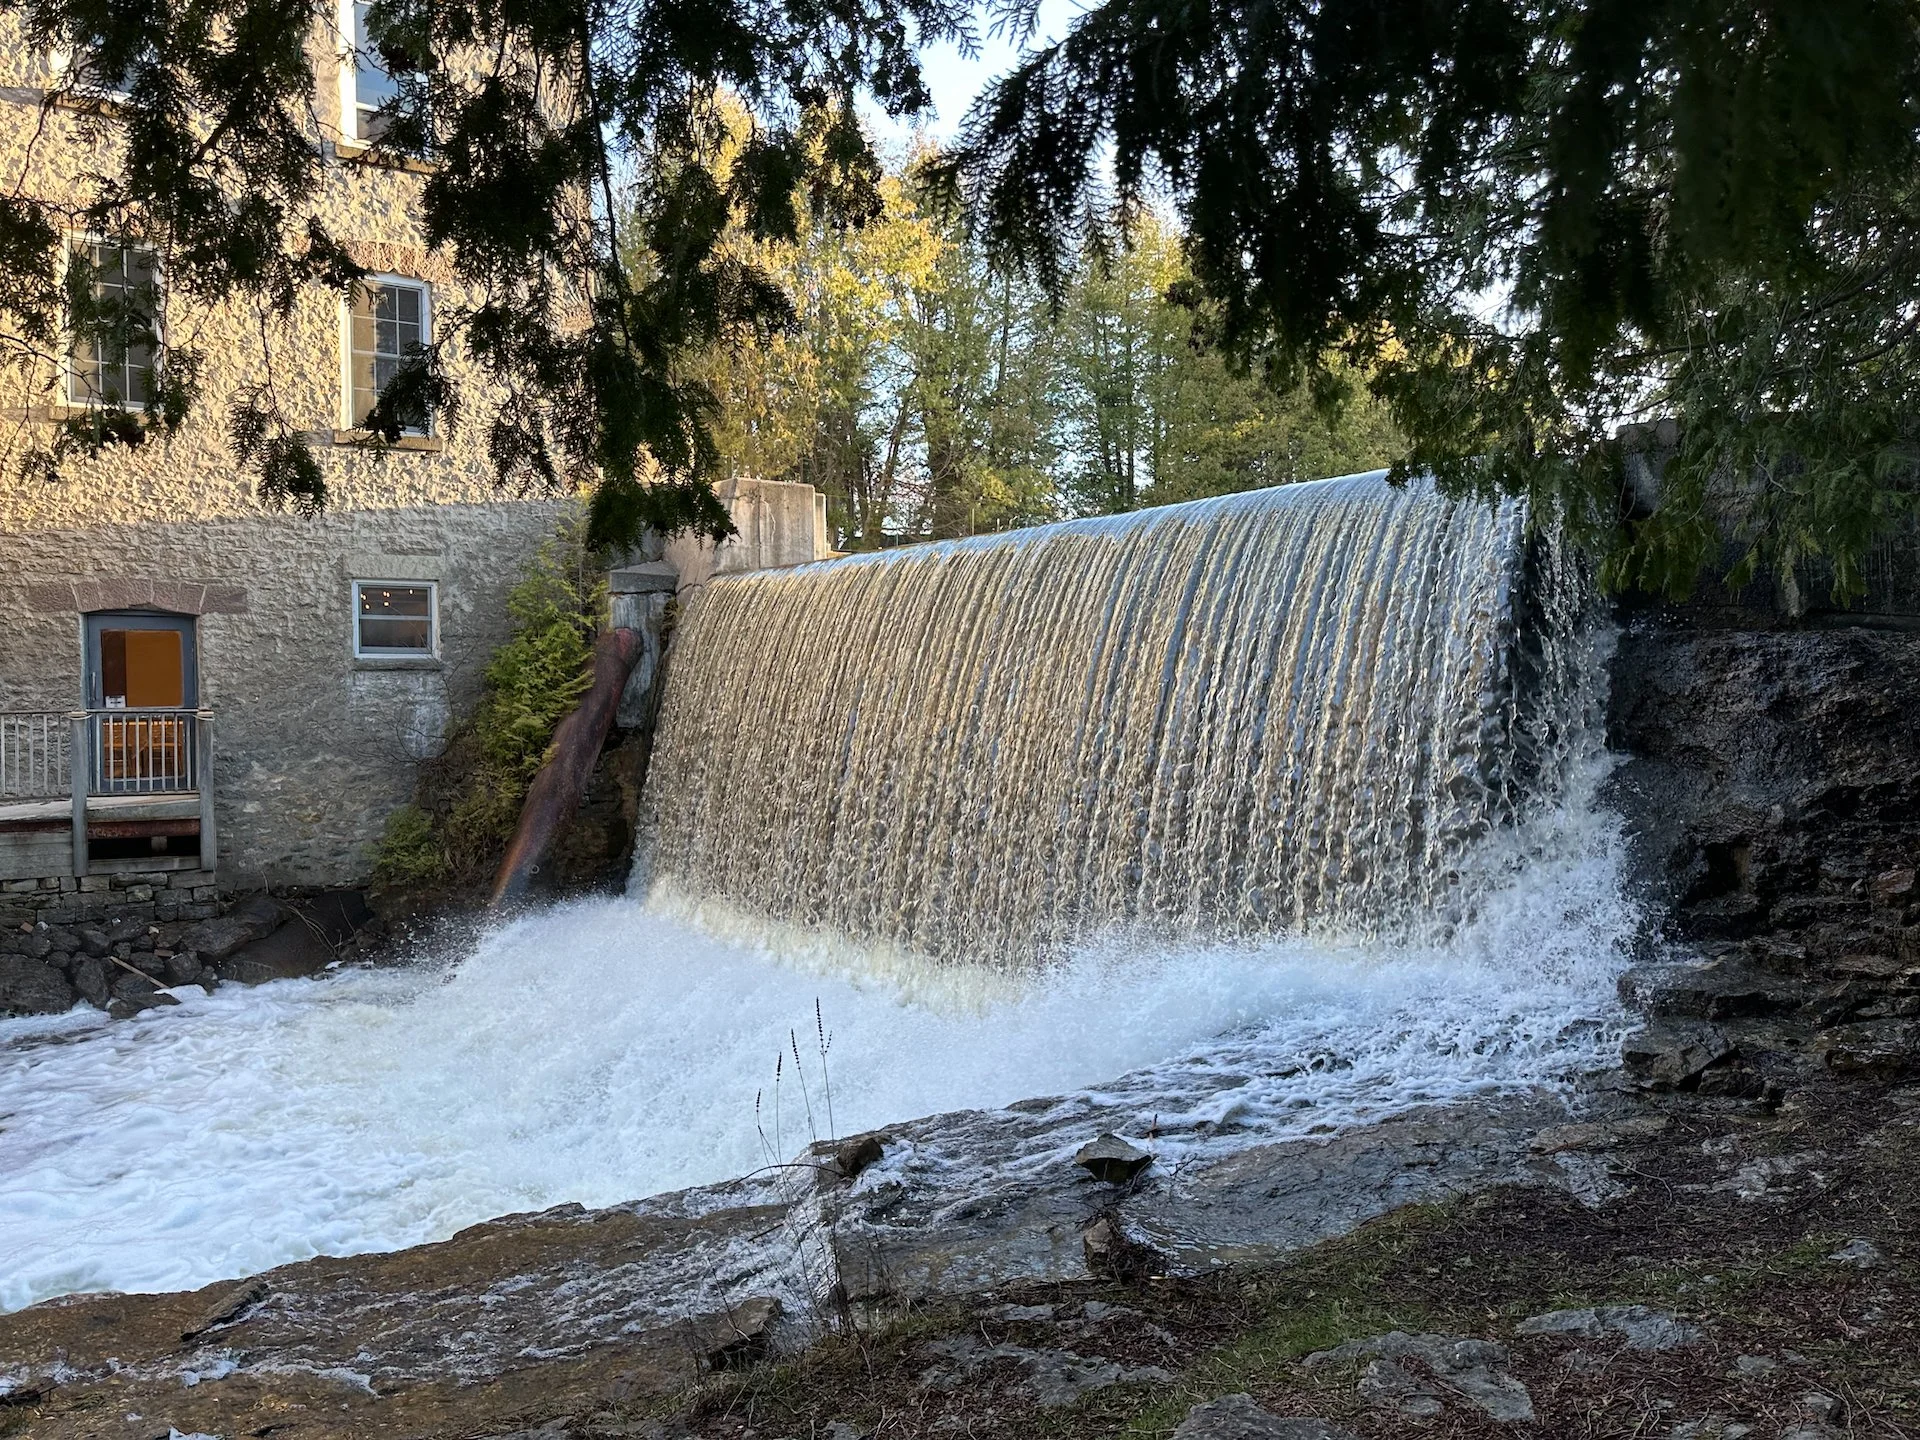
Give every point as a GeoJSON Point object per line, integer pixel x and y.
{"type": "Point", "coordinates": [388, 320]}
{"type": "Point", "coordinates": [365, 86]}
{"type": "Point", "coordinates": [80, 75]}
{"type": "Point", "coordinates": [110, 346]}
{"type": "Point", "coordinates": [393, 618]}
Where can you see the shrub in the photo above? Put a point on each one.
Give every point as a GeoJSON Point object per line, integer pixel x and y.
{"type": "Point", "coordinates": [469, 799]}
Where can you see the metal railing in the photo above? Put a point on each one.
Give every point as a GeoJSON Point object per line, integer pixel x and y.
{"type": "Point", "coordinates": [34, 745]}
{"type": "Point", "coordinates": [80, 754]}
{"type": "Point", "coordinates": [142, 752]}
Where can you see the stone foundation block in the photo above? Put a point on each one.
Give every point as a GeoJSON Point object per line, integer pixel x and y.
{"type": "Point", "coordinates": [91, 883]}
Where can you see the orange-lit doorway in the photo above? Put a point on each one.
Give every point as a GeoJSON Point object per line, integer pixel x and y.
{"type": "Point", "coordinates": [139, 663]}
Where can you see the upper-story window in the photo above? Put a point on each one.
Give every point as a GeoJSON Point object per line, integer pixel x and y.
{"type": "Point", "coordinates": [85, 76]}
{"type": "Point", "coordinates": [365, 85]}
{"type": "Point", "coordinates": [389, 319]}
{"type": "Point", "coordinates": [114, 328]}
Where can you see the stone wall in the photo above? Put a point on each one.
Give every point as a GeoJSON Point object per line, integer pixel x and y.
{"type": "Point", "coordinates": [312, 747]}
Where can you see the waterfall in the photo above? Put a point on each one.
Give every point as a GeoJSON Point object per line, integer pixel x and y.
{"type": "Point", "coordinates": [1285, 710]}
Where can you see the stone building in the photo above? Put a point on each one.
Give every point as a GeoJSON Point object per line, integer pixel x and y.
{"type": "Point", "coordinates": [191, 678]}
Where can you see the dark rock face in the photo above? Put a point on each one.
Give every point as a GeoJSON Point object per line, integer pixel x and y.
{"type": "Point", "coordinates": [1770, 786]}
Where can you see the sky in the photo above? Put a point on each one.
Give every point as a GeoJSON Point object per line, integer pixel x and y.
{"type": "Point", "coordinates": [955, 79]}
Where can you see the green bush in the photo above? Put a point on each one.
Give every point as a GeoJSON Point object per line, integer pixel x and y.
{"type": "Point", "coordinates": [409, 856]}
{"type": "Point", "coordinates": [470, 798]}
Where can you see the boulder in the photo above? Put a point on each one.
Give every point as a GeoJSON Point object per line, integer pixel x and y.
{"type": "Point", "coordinates": [227, 1307]}
{"type": "Point", "coordinates": [254, 918]}
{"type": "Point", "coordinates": [1111, 1159]}
{"type": "Point", "coordinates": [29, 987]}
{"type": "Point", "coordinates": [744, 1337]}
{"type": "Point", "coordinates": [182, 967]}
{"type": "Point", "coordinates": [127, 928]}
{"type": "Point", "coordinates": [291, 951]}
{"type": "Point", "coordinates": [1238, 1417]}
{"type": "Point", "coordinates": [94, 941]}
{"type": "Point", "coordinates": [89, 977]}
{"type": "Point", "coordinates": [130, 1002]}
{"type": "Point", "coordinates": [851, 1157]}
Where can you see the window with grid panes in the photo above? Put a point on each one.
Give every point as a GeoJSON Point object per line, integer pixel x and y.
{"type": "Point", "coordinates": [110, 350]}
{"type": "Point", "coordinates": [390, 320]}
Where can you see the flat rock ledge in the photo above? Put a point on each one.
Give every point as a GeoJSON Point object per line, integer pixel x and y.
{"type": "Point", "coordinates": [570, 1310]}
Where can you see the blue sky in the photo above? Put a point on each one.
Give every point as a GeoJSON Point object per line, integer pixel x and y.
{"type": "Point", "coordinates": [955, 80]}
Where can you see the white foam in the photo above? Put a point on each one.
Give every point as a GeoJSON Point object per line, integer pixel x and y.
{"type": "Point", "coordinates": [599, 1052]}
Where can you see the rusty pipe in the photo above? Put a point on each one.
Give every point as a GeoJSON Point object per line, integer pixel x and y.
{"type": "Point", "coordinates": [555, 793]}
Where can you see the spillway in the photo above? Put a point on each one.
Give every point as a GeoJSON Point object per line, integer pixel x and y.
{"type": "Point", "coordinates": [1274, 711]}
{"type": "Point", "coordinates": [1241, 821]}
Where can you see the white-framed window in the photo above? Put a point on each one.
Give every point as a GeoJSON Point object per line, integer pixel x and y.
{"type": "Point", "coordinates": [396, 619]}
{"type": "Point", "coordinates": [364, 85]}
{"type": "Point", "coordinates": [110, 361]}
{"type": "Point", "coordinates": [388, 319]}
{"type": "Point", "coordinates": [80, 76]}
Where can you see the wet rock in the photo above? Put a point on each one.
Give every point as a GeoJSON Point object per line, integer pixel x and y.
{"type": "Point", "coordinates": [1109, 1250]}
{"type": "Point", "coordinates": [1021, 1314]}
{"type": "Point", "coordinates": [1475, 1370]}
{"type": "Point", "coordinates": [126, 929]}
{"type": "Point", "coordinates": [33, 944]}
{"type": "Point", "coordinates": [1635, 1326]}
{"type": "Point", "coordinates": [1724, 990]}
{"type": "Point", "coordinates": [744, 1338]}
{"type": "Point", "coordinates": [132, 994]}
{"type": "Point", "coordinates": [856, 1155]}
{"type": "Point", "coordinates": [181, 968]}
{"type": "Point", "coordinates": [294, 950]}
{"type": "Point", "coordinates": [31, 987]}
{"type": "Point", "coordinates": [1050, 1378]}
{"type": "Point", "coordinates": [1111, 1159]}
{"type": "Point", "coordinates": [89, 978]}
{"type": "Point", "coordinates": [1881, 1048]}
{"type": "Point", "coordinates": [227, 1307]}
{"type": "Point", "coordinates": [252, 919]}
{"type": "Point", "coordinates": [1859, 1254]}
{"type": "Point", "coordinates": [1663, 1057]}
{"type": "Point", "coordinates": [1239, 1417]}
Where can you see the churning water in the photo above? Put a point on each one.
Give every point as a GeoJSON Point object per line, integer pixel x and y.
{"type": "Point", "coordinates": [605, 1050]}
